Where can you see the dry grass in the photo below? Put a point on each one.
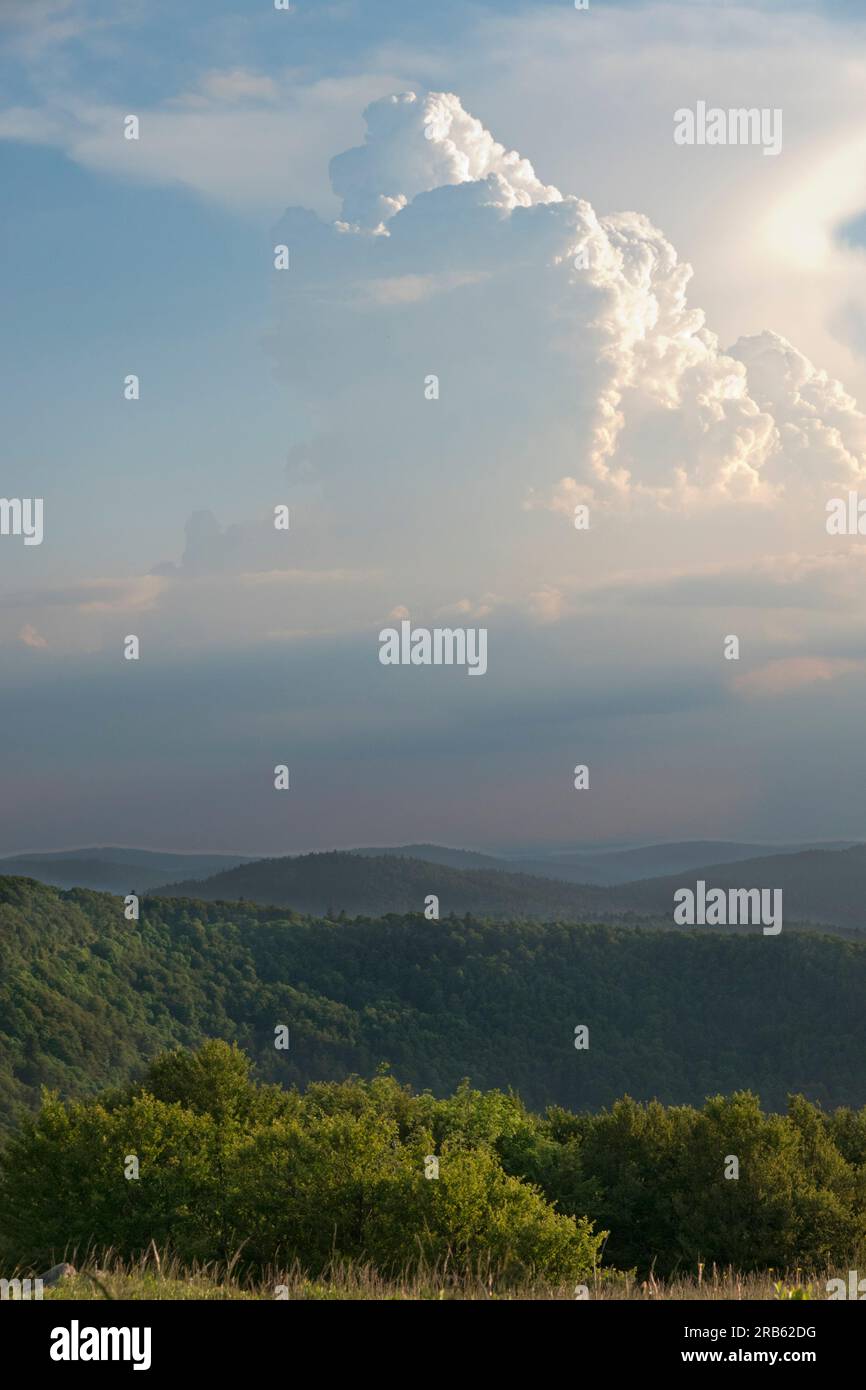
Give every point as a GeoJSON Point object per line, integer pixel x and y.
{"type": "Point", "coordinates": [161, 1276]}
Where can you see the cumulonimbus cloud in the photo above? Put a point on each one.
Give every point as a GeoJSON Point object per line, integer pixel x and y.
{"type": "Point", "coordinates": [661, 411]}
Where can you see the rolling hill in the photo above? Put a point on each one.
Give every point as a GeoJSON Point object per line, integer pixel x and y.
{"type": "Point", "coordinates": [122, 870]}
{"type": "Point", "coordinates": [114, 869]}
{"type": "Point", "coordinates": [87, 998]}
{"type": "Point", "coordinates": [819, 886]}
{"type": "Point", "coordinates": [825, 885]}
{"type": "Point", "coordinates": [603, 868]}
{"type": "Point", "coordinates": [654, 861]}
{"type": "Point", "coordinates": [375, 885]}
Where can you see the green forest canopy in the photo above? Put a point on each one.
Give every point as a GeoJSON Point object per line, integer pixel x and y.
{"type": "Point", "coordinates": [88, 998]}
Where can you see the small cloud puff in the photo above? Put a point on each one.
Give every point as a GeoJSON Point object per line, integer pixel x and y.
{"type": "Point", "coordinates": [777, 678]}
{"type": "Point", "coordinates": [29, 637]}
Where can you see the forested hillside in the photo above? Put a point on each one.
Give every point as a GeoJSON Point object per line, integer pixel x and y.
{"type": "Point", "coordinates": [87, 998]}
{"type": "Point", "coordinates": [818, 885]}
{"type": "Point", "coordinates": [823, 886]}
{"type": "Point", "coordinates": [377, 884]}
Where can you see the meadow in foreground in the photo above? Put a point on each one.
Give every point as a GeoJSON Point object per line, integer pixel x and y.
{"type": "Point", "coordinates": [162, 1277]}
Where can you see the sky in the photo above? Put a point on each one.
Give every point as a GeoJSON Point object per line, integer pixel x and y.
{"type": "Point", "coordinates": [670, 336]}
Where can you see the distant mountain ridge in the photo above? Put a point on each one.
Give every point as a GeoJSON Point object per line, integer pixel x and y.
{"type": "Point", "coordinates": [368, 885]}
{"type": "Point", "coordinates": [825, 884]}
{"type": "Point", "coordinates": [113, 868]}
{"type": "Point", "coordinates": [822, 886]}
{"type": "Point", "coordinates": [607, 867]}
{"type": "Point", "coordinates": [653, 861]}
{"type": "Point", "coordinates": [438, 854]}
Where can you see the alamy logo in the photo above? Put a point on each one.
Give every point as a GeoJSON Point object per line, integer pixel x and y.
{"type": "Point", "coordinates": [22, 516]}
{"type": "Point", "coordinates": [738, 126]}
{"type": "Point", "coordinates": [846, 518]}
{"type": "Point", "coordinates": [20, 1289]}
{"type": "Point", "coordinates": [441, 646]}
{"type": "Point", "coordinates": [743, 907]}
{"type": "Point", "coordinates": [76, 1343]}
{"type": "Point", "coordinates": [856, 1287]}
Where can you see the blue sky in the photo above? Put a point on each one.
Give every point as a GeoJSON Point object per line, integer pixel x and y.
{"type": "Point", "coordinates": [705, 416]}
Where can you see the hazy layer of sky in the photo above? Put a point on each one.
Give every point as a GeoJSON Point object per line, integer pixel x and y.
{"type": "Point", "coordinates": [695, 384]}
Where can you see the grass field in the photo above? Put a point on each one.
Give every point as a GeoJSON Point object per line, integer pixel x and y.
{"type": "Point", "coordinates": [157, 1276]}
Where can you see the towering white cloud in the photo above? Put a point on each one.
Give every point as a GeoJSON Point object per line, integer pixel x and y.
{"type": "Point", "coordinates": [656, 409]}
{"type": "Point", "coordinates": [414, 145]}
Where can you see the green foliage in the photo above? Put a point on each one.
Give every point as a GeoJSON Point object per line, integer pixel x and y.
{"type": "Point", "coordinates": [338, 1173]}
{"type": "Point", "coordinates": [656, 1177]}
{"type": "Point", "coordinates": [225, 1164]}
{"type": "Point", "coordinates": [88, 998]}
